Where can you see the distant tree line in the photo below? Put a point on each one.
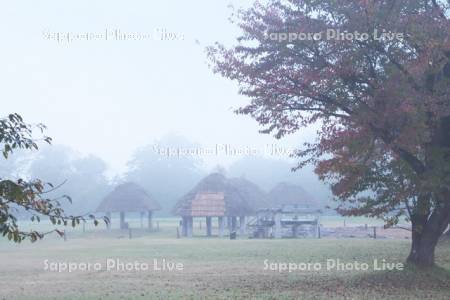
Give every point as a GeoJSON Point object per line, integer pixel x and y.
{"type": "Point", "coordinates": [85, 178]}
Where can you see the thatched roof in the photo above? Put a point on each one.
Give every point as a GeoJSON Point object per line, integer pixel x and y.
{"type": "Point", "coordinates": [254, 195]}
{"type": "Point", "coordinates": [128, 197]}
{"type": "Point", "coordinates": [288, 194]}
{"type": "Point", "coordinates": [216, 195]}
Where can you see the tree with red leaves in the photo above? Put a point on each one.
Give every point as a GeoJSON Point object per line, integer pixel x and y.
{"type": "Point", "coordinates": [374, 76]}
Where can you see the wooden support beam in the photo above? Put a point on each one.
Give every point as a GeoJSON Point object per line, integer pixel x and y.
{"type": "Point", "coordinates": [184, 226]}
{"type": "Point", "coordinates": [221, 225]}
{"type": "Point", "coordinates": [190, 226]}
{"type": "Point", "coordinates": [208, 226]}
{"type": "Point", "coordinates": [277, 226]}
{"type": "Point", "coordinates": [295, 231]}
{"type": "Point", "coordinates": [150, 221]}
{"type": "Point", "coordinates": [317, 228]}
{"type": "Point", "coordinates": [122, 220]}
{"type": "Point", "coordinates": [233, 224]}
{"type": "Point", "coordinates": [242, 225]}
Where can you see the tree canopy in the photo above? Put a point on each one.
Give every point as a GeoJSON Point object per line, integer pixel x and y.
{"type": "Point", "coordinates": [30, 196]}
{"type": "Point", "coordinates": [81, 177]}
{"type": "Point", "coordinates": [382, 101]}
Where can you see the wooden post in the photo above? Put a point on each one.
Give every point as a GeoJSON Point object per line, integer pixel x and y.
{"type": "Point", "coordinates": [190, 224]}
{"type": "Point", "coordinates": [242, 225]}
{"type": "Point", "coordinates": [142, 219]}
{"type": "Point", "coordinates": [122, 220]}
{"type": "Point", "coordinates": [317, 229]}
{"type": "Point", "coordinates": [108, 215]}
{"type": "Point", "coordinates": [221, 226]}
{"type": "Point", "coordinates": [150, 225]}
{"type": "Point", "coordinates": [277, 227]}
{"type": "Point", "coordinates": [184, 226]}
{"type": "Point", "coordinates": [295, 231]}
{"type": "Point", "coordinates": [233, 224]}
{"type": "Point", "coordinates": [208, 226]}
{"type": "Point", "coordinates": [374, 232]}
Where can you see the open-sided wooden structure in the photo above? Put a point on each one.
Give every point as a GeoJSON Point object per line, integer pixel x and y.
{"type": "Point", "coordinates": [129, 197]}
{"type": "Point", "coordinates": [292, 212]}
{"type": "Point", "coordinates": [219, 197]}
{"type": "Point", "coordinates": [277, 223]}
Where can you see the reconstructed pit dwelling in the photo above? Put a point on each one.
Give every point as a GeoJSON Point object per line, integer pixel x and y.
{"type": "Point", "coordinates": [216, 196]}
{"type": "Point", "coordinates": [236, 204]}
{"type": "Point", "coordinates": [129, 197]}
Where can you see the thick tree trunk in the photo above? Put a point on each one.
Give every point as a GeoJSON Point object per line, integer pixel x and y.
{"type": "Point", "coordinates": [422, 249]}
{"type": "Point", "coordinates": [426, 232]}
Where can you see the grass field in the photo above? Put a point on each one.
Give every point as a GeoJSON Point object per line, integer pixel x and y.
{"type": "Point", "coordinates": [215, 268]}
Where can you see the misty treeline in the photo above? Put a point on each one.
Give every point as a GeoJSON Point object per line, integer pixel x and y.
{"type": "Point", "coordinates": [85, 178]}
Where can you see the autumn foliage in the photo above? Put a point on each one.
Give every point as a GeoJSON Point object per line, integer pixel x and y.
{"type": "Point", "coordinates": [382, 104]}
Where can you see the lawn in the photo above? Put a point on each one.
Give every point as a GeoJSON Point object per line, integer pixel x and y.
{"type": "Point", "coordinates": [215, 268]}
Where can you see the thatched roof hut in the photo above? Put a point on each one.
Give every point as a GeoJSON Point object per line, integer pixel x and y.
{"type": "Point", "coordinates": [129, 197]}
{"type": "Point", "coordinates": [254, 195]}
{"type": "Point", "coordinates": [217, 195]}
{"type": "Point", "coordinates": [288, 194]}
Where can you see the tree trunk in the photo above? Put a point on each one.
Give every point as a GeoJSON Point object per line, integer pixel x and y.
{"type": "Point", "coordinates": [422, 249]}
{"type": "Point", "coordinates": [426, 231]}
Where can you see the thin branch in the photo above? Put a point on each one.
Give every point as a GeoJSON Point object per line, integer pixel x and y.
{"type": "Point", "coordinates": [55, 187]}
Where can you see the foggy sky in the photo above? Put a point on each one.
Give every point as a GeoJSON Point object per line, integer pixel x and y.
{"type": "Point", "coordinates": [111, 97]}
